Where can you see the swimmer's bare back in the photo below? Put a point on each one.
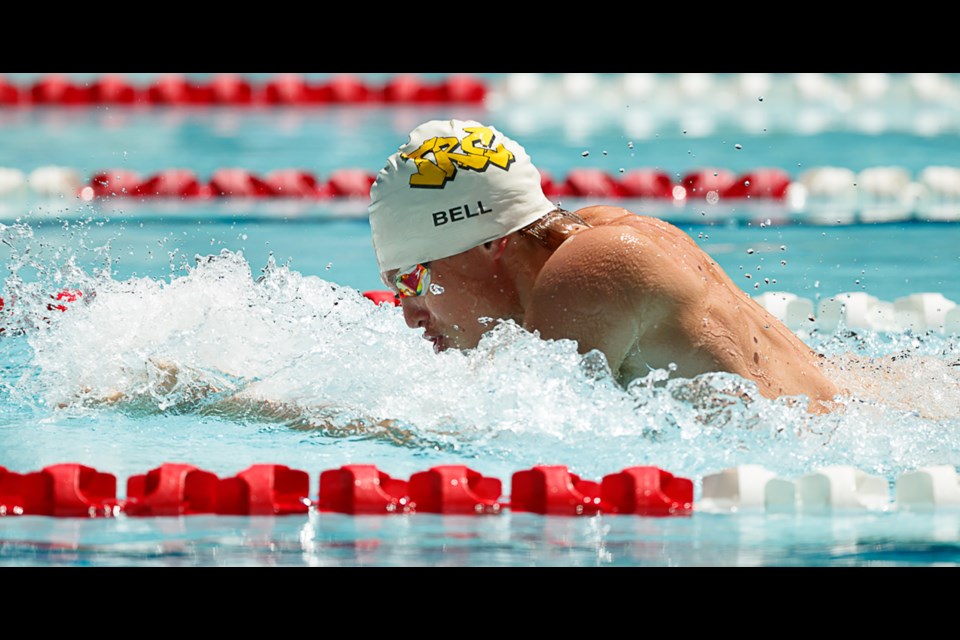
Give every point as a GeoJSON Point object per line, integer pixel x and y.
{"type": "Point", "coordinates": [645, 294]}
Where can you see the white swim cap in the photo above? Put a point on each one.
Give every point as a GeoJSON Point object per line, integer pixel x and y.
{"type": "Point", "coordinates": [454, 185]}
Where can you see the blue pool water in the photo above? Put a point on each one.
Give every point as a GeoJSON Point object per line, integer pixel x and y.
{"type": "Point", "coordinates": [277, 314]}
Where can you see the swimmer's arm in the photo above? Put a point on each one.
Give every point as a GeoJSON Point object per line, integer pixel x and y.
{"type": "Point", "coordinates": [206, 397]}
{"type": "Point", "coordinates": [604, 288]}
{"type": "Point", "coordinates": [218, 401]}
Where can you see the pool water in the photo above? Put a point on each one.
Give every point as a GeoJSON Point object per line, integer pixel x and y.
{"type": "Point", "coordinates": [264, 298]}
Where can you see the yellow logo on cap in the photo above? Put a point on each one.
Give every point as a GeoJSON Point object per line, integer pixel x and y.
{"type": "Point", "coordinates": [475, 152]}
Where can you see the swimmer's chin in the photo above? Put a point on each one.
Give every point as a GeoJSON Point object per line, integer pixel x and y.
{"type": "Point", "coordinates": [439, 344]}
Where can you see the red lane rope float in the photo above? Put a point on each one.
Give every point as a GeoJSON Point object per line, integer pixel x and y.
{"type": "Point", "coordinates": [644, 490]}
{"type": "Point", "coordinates": [183, 489]}
{"type": "Point", "coordinates": [378, 297]}
{"type": "Point", "coordinates": [67, 296]}
{"type": "Point", "coordinates": [362, 489]}
{"type": "Point", "coordinates": [176, 489]}
{"type": "Point", "coordinates": [229, 182]}
{"type": "Point", "coordinates": [764, 182]}
{"type": "Point", "coordinates": [761, 183]}
{"type": "Point", "coordinates": [176, 90]}
{"type": "Point", "coordinates": [60, 490]}
{"type": "Point", "coordinates": [63, 298]}
{"type": "Point", "coordinates": [454, 489]}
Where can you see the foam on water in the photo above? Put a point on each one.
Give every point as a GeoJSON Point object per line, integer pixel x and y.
{"type": "Point", "coordinates": [274, 346]}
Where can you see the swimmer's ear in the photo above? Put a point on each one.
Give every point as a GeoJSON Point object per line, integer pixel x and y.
{"type": "Point", "coordinates": [495, 247]}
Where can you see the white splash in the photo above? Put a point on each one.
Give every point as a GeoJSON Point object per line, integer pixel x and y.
{"type": "Point", "coordinates": [309, 353]}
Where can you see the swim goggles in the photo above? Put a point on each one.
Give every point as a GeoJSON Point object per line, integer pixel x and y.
{"type": "Point", "coordinates": [412, 282]}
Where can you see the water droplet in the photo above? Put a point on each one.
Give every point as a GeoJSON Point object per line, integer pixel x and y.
{"type": "Point", "coordinates": [435, 289]}
{"type": "Point", "coordinates": [604, 152]}
{"type": "Point", "coordinates": [749, 251]}
{"type": "Point", "coordinates": [747, 275]}
{"type": "Point", "coordinates": [738, 146]}
{"type": "Point", "coordinates": [329, 265]}
{"type": "Point", "coordinates": [630, 145]}
{"type": "Point", "coordinates": [783, 247]}
{"type": "Point", "coordinates": [760, 98]}
{"type": "Point", "coordinates": [746, 183]}
{"type": "Point", "coordinates": [621, 169]}
{"type": "Point", "coordinates": [783, 263]}
{"type": "Point", "coordinates": [585, 154]}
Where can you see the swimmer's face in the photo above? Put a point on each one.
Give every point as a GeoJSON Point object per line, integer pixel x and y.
{"type": "Point", "coordinates": [458, 297]}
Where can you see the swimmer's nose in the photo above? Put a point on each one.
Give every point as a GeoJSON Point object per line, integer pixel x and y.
{"type": "Point", "coordinates": [414, 313]}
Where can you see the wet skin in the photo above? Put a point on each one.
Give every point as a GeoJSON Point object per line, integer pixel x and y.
{"type": "Point", "coordinates": [636, 288]}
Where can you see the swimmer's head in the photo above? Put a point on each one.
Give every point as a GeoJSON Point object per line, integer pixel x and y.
{"type": "Point", "coordinates": [454, 185]}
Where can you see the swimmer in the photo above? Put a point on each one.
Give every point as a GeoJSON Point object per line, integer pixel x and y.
{"type": "Point", "coordinates": [464, 234]}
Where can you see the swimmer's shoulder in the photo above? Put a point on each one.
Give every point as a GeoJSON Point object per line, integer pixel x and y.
{"type": "Point", "coordinates": [603, 214]}
{"type": "Point", "coordinates": [650, 227]}
{"type": "Point", "coordinates": [612, 227]}
{"type": "Point", "coordinates": [610, 255]}
{"type": "Point", "coordinates": [639, 253]}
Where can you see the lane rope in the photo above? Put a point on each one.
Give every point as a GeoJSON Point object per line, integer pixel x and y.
{"type": "Point", "coordinates": [839, 92]}
{"type": "Point", "coordinates": [178, 90]}
{"type": "Point", "coordinates": [72, 490]}
{"type": "Point", "coordinates": [828, 195]}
